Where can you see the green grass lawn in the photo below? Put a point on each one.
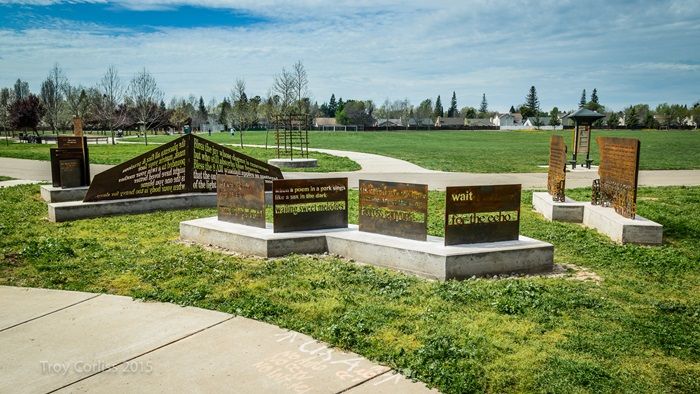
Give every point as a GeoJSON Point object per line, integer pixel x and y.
{"type": "Point", "coordinates": [635, 330]}
{"type": "Point", "coordinates": [488, 151]}
{"type": "Point", "coordinates": [115, 154]}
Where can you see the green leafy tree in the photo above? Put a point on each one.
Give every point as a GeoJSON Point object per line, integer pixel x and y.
{"type": "Point", "coordinates": [26, 113]}
{"type": "Point", "coordinates": [424, 111]}
{"type": "Point", "coordinates": [613, 120]}
{"type": "Point", "coordinates": [631, 118]}
{"type": "Point", "coordinates": [225, 112]}
{"type": "Point", "coordinates": [453, 106]}
{"type": "Point", "coordinates": [438, 111]}
{"type": "Point", "coordinates": [554, 117]}
{"type": "Point", "coordinates": [468, 112]}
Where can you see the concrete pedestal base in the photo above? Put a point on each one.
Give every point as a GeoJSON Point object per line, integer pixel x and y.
{"type": "Point", "coordinates": [433, 259]}
{"type": "Point", "coordinates": [294, 163]}
{"type": "Point", "coordinates": [621, 229]}
{"type": "Point", "coordinates": [56, 194]}
{"type": "Point", "coordinates": [253, 240]}
{"type": "Point", "coordinates": [429, 259]}
{"type": "Point", "coordinates": [569, 211]}
{"type": "Point", "coordinates": [74, 210]}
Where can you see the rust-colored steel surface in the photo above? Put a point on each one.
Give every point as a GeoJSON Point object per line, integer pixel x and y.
{"type": "Point", "coordinates": [475, 214]}
{"type": "Point", "coordinates": [556, 177]}
{"type": "Point", "coordinates": [396, 209]}
{"type": "Point", "coordinates": [241, 200]}
{"type": "Point", "coordinates": [309, 204]}
{"type": "Point", "coordinates": [188, 164]}
{"type": "Point", "coordinates": [619, 172]}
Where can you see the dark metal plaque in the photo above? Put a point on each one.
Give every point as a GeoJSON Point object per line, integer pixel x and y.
{"type": "Point", "coordinates": [70, 148]}
{"type": "Point", "coordinates": [188, 164]}
{"type": "Point", "coordinates": [396, 209]}
{"type": "Point", "coordinates": [619, 171]}
{"type": "Point", "coordinates": [71, 141]}
{"type": "Point", "coordinates": [475, 214]}
{"type": "Point", "coordinates": [309, 204]}
{"type": "Point", "coordinates": [241, 200]}
{"type": "Point", "coordinates": [556, 177]}
{"type": "Point", "coordinates": [71, 172]}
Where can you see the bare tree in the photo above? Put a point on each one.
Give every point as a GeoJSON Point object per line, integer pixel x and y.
{"type": "Point", "coordinates": [284, 87]}
{"type": "Point", "coordinates": [52, 96]}
{"type": "Point", "coordinates": [145, 96]}
{"type": "Point", "coordinates": [6, 99]}
{"type": "Point", "coordinates": [111, 95]}
{"type": "Point", "coordinates": [301, 84]}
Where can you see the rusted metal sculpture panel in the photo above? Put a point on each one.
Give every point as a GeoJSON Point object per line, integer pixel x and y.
{"type": "Point", "coordinates": [309, 204]}
{"type": "Point", "coordinates": [188, 164]}
{"type": "Point", "coordinates": [556, 178]}
{"type": "Point", "coordinates": [475, 214]}
{"type": "Point", "coordinates": [396, 209]}
{"type": "Point", "coordinates": [241, 200]}
{"type": "Point", "coordinates": [70, 162]}
{"type": "Point", "coordinates": [619, 172]}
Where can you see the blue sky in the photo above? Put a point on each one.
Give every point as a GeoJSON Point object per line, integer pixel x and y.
{"type": "Point", "coordinates": [631, 51]}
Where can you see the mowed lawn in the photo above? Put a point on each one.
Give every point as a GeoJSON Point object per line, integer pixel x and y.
{"type": "Point", "coordinates": [115, 154]}
{"type": "Point", "coordinates": [488, 151]}
{"type": "Point", "coordinates": [634, 327]}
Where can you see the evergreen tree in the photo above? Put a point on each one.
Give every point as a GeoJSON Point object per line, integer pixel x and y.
{"type": "Point", "coordinates": [512, 110]}
{"type": "Point", "coordinates": [438, 108]}
{"type": "Point", "coordinates": [594, 96]}
{"type": "Point", "coordinates": [340, 106]}
{"type": "Point", "coordinates": [632, 118]}
{"type": "Point", "coordinates": [224, 114]}
{"type": "Point", "coordinates": [453, 106]}
{"type": "Point", "coordinates": [202, 110]}
{"type": "Point", "coordinates": [582, 102]}
{"type": "Point", "coordinates": [332, 107]}
{"type": "Point", "coordinates": [484, 108]}
{"type": "Point", "coordinates": [532, 102]}
{"type": "Point", "coordinates": [554, 117]}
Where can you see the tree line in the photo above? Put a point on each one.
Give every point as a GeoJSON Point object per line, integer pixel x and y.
{"type": "Point", "coordinates": [114, 103]}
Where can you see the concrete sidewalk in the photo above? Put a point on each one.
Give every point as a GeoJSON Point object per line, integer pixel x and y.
{"type": "Point", "coordinates": [66, 341]}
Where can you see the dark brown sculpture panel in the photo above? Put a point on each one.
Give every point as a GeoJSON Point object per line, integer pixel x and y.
{"type": "Point", "coordinates": [241, 200]}
{"type": "Point", "coordinates": [70, 162]}
{"type": "Point", "coordinates": [396, 209]}
{"type": "Point", "coordinates": [188, 164]}
{"type": "Point", "coordinates": [556, 177]}
{"type": "Point", "coordinates": [619, 172]}
{"type": "Point", "coordinates": [309, 204]}
{"type": "Point", "coordinates": [475, 214]}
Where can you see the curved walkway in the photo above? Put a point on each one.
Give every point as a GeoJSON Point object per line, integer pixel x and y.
{"type": "Point", "coordinates": [37, 170]}
{"type": "Point", "coordinates": [79, 342]}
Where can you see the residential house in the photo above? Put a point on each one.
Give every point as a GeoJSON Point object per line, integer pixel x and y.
{"type": "Point", "coordinates": [449, 122]}
{"type": "Point", "coordinates": [478, 122]}
{"type": "Point", "coordinates": [533, 122]}
{"type": "Point", "coordinates": [389, 123]}
{"type": "Point", "coordinates": [506, 120]}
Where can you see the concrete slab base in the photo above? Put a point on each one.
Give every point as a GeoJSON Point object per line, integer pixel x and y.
{"type": "Point", "coordinates": [74, 210]}
{"type": "Point", "coordinates": [430, 259]}
{"type": "Point", "coordinates": [17, 182]}
{"type": "Point", "coordinates": [569, 211]}
{"type": "Point", "coordinates": [433, 259]}
{"type": "Point", "coordinates": [294, 163]}
{"type": "Point", "coordinates": [52, 193]}
{"type": "Point", "coordinates": [252, 240]}
{"type": "Point", "coordinates": [621, 229]}
{"type": "Point", "coordinates": [22, 304]}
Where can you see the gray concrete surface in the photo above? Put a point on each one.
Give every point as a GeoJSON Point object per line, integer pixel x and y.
{"type": "Point", "coordinates": [568, 211]}
{"type": "Point", "coordinates": [17, 182]}
{"type": "Point", "coordinates": [74, 210]}
{"type": "Point", "coordinates": [50, 193]}
{"type": "Point", "coordinates": [430, 259]}
{"type": "Point", "coordinates": [81, 342]}
{"type": "Point", "coordinates": [389, 169]}
{"type": "Point", "coordinates": [621, 229]}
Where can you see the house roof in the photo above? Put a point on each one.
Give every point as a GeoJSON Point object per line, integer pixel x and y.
{"type": "Point", "coordinates": [455, 121]}
{"type": "Point", "coordinates": [479, 122]}
{"type": "Point", "coordinates": [325, 121]}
